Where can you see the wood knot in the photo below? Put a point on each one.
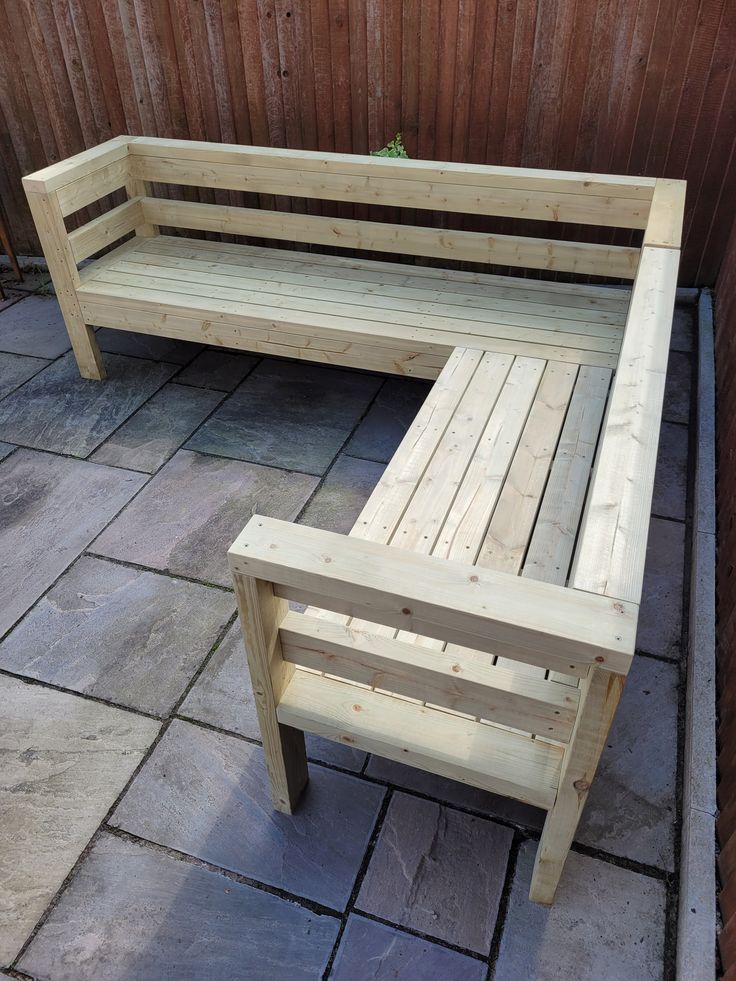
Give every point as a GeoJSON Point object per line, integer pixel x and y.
{"type": "Point", "coordinates": [327, 560]}
{"type": "Point", "coordinates": [474, 579]}
{"type": "Point", "coordinates": [618, 607]}
{"type": "Point", "coordinates": [456, 668]}
{"type": "Point", "coordinates": [581, 786]}
{"type": "Point", "coordinates": [406, 611]}
{"type": "Point", "coordinates": [600, 659]}
{"type": "Point", "coordinates": [357, 707]}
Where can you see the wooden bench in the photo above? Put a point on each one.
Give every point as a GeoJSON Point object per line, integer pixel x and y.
{"type": "Point", "coordinates": [480, 619]}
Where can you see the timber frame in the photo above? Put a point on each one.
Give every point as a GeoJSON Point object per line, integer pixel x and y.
{"type": "Point", "coordinates": [480, 619]}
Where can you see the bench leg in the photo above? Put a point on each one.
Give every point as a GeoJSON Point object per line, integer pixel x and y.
{"type": "Point", "coordinates": [286, 759]}
{"type": "Point", "coordinates": [599, 695]}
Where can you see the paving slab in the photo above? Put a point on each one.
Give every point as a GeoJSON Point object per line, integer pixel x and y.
{"type": "Point", "coordinates": [295, 416]}
{"type": "Point", "coordinates": [677, 388]}
{"type": "Point", "coordinates": [11, 297]}
{"type": "Point", "coordinates": [134, 914]}
{"type": "Point", "coordinates": [50, 509]}
{"type": "Point", "coordinates": [438, 871]}
{"type": "Point", "coordinates": [207, 794]}
{"type": "Point", "coordinates": [154, 433]}
{"type": "Point", "coordinates": [660, 617]}
{"type": "Point", "coordinates": [16, 369]}
{"type": "Point", "coordinates": [131, 637]}
{"type": "Point", "coordinates": [150, 346]}
{"type": "Point", "coordinates": [454, 792]}
{"type": "Point", "coordinates": [34, 326]}
{"type": "Point", "coordinates": [222, 696]}
{"type": "Point", "coordinates": [683, 328]}
{"type": "Point", "coordinates": [340, 499]}
{"type": "Point", "coordinates": [606, 922]}
{"type": "Point", "coordinates": [387, 420]}
{"type": "Point", "coordinates": [631, 806]}
{"type": "Point", "coordinates": [65, 760]}
{"type": "Point", "coordinates": [670, 480]}
{"type": "Point", "coordinates": [222, 371]}
{"type": "Point", "coordinates": [58, 410]}
{"type": "Point", "coordinates": [372, 951]}
{"type": "Point", "coordinates": [6, 449]}
{"type": "Point", "coordinates": [192, 511]}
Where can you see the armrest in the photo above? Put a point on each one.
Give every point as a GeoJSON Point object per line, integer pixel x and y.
{"type": "Point", "coordinates": [80, 165]}
{"type": "Point", "coordinates": [522, 619]}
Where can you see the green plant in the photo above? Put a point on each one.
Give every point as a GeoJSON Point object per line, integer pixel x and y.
{"type": "Point", "coordinates": [394, 148]}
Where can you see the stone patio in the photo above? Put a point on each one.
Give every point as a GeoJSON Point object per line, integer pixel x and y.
{"type": "Point", "coordinates": [138, 840]}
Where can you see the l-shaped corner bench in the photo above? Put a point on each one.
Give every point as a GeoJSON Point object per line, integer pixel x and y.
{"type": "Point", "coordinates": [480, 619]}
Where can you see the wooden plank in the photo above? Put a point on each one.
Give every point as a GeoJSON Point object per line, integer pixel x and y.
{"type": "Point", "coordinates": [305, 346]}
{"type": "Point", "coordinates": [612, 548]}
{"type": "Point", "coordinates": [50, 226]}
{"type": "Point", "coordinates": [106, 229]}
{"type": "Point", "coordinates": [283, 747]}
{"type": "Point", "coordinates": [374, 188]}
{"type": "Point", "coordinates": [664, 227]}
{"type": "Point", "coordinates": [578, 301]}
{"type": "Point", "coordinates": [360, 308]}
{"type": "Point", "coordinates": [569, 182]}
{"type": "Point", "coordinates": [552, 542]}
{"type": "Point", "coordinates": [80, 166]}
{"type": "Point", "coordinates": [483, 756]}
{"type": "Point", "coordinates": [511, 250]}
{"type": "Point", "coordinates": [600, 694]}
{"type": "Point", "coordinates": [218, 311]}
{"type": "Point", "coordinates": [338, 286]}
{"type": "Point", "coordinates": [468, 684]}
{"type": "Point", "coordinates": [83, 191]}
{"type": "Point", "coordinates": [478, 608]}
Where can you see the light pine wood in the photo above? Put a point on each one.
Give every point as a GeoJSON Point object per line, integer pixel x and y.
{"type": "Point", "coordinates": [511, 250]}
{"type": "Point", "coordinates": [467, 684]}
{"type": "Point", "coordinates": [479, 608]}
{"type": "Point", "coordinates": [483, 756]}
{"type": "Point", "coordinates": [261, 614]}
{"type": "Point", "coordinates": [480, 619]}
{"type": "Point", "coordinates": [51, 231]}
{"type": "Point", "coordinates": [599, 698]}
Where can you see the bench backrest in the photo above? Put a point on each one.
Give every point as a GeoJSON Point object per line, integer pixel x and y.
{"type": "Point", "coordinates": [539, 196]}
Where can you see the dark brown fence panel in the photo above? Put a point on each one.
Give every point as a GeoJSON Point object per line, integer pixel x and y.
{"type": "Point", "coordinates": [726, 595]}
{"type": "Point", "coordinates": [622, 87]}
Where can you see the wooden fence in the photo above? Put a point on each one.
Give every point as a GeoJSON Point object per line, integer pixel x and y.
{"type": "Point", "coordinates": [603, 85]}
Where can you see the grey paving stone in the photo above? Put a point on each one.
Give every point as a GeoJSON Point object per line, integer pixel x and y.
{"type": "Point", "coordinates": [670, 481]}
{"type": "Point", "coordinates": [131, 637]}
{"type": "Point", "coordinates": [50, 509]}
{"type": "Point", "coordinates": [11, 297]}
{"type": "Point", "coordinates": [207, 794]}
{"type": "Point", "coordinates": [16, 369]}
{"type": "Point", "coordinates": [631, 806]}
{"type": "Point", "coordinates": [193, 510]}
{"type": "Point", "coordinates": [58, 410]}
{"type": "Point", "coordinates": [606, 922]}
{"type": "Point", "coordinates": [438, 871]}
{"type": "Point", "coordinates": [133, 914]}
{"type": "Point", "coordinates": [372, 951]}
{"type": "Point", "coordinates": [219, 370]}
{"type": "Point", "coordinates": [34, 326]}
{"type": "Point", "coordinates": [454, 792]}
{"type": "Point", "coordinates": [5, 449]}
{"type": "Point", "coordinates": [340, 499]}
{"type": "Point", "coordinates": [383, 428]}
{"type": "Point", "coordinates": [288, 415]}
{"type": "Point", "coordinates": [660, 617]}
{"type": "Point", "coordinates": [65, 760]}
{"type": "Point", "coordinates": [683, 328]}
{"type": "Point", "coordinates": [158, 428]}
{"type": "Point", "coordinates": [677, 388]}
{"type": "Point", "coordinates": [222, 696]}
{"type": "Point", "coordinates": [150, 346]}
